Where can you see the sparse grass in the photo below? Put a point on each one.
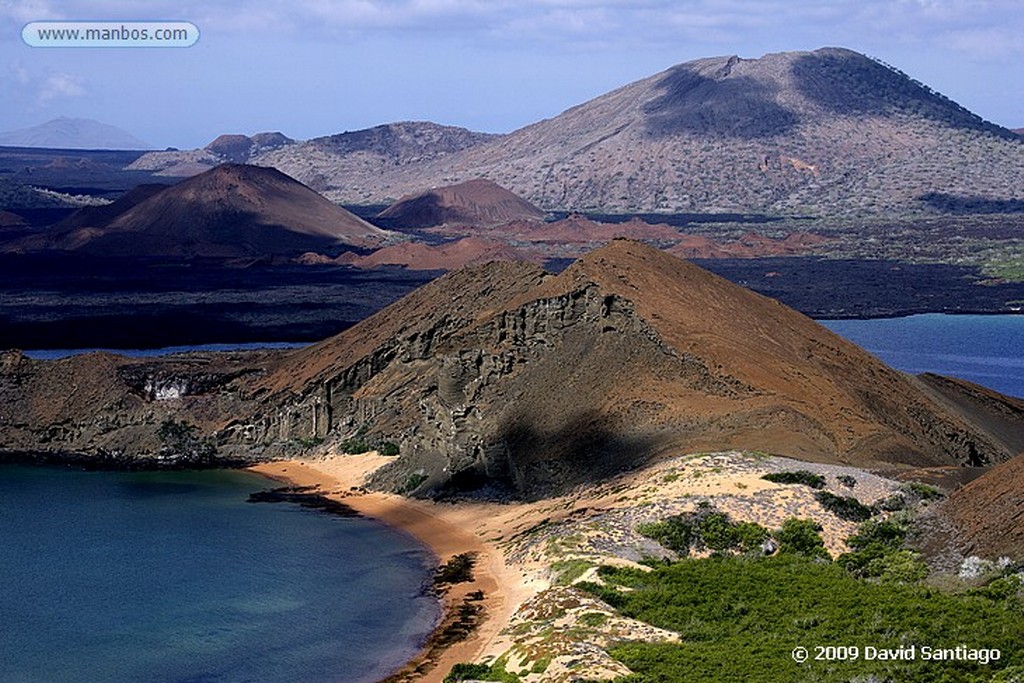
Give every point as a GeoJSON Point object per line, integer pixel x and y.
{"type": "Point", "coordinates": [568, 571]}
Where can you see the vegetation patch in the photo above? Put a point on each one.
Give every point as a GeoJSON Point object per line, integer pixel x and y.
{"type": "Point", "coordinates": [740, 618]}
{"type": "Point", "coordinates": [815, 481]}
{"type": "Point", "coordinates": [705, 528]}
{"type": "Point", "coordinates": [844, 507]}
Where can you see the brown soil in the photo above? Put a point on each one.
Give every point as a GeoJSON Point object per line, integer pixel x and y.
{"type": "Point", "coordinates": [988, 513]}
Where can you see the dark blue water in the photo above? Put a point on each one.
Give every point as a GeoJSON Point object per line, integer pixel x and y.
{"type": "Point", "coordinates": [52, 354]}
{"type": "Point", "coordinates": [174, 577]}
{"type": "Point", "coordinates": [985, 349]}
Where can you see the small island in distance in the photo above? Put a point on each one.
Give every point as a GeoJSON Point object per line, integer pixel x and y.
{"type": "Point", "coordinates": [574, 360]}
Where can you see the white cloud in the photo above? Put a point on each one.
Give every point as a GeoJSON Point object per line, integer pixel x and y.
{"type": "Point", "coordinates": [58, 86]}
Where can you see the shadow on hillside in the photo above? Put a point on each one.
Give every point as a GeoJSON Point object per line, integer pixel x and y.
{"type": "Point", "coordinates": [730, 107]}
{"type": "Point", "coordinates": [585, 449]}
{"type": "Point", "coordinates": [966, 204]}
{"type": "Point", "coordinates": [851, 84]}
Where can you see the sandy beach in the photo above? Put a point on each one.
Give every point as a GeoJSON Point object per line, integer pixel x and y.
{"type": "Point", "coordinates": [519, 546]}
{"type": "Point", "coordinates": [446, 530]}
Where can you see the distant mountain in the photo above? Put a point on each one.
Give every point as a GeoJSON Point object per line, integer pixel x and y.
{"type": "Point", "coordinates": [327, 163]}
{"type": "Point", "coordinates": [230, 211]}
{"type": "Point", "coordinates": [829, 132]}
{"type": "Point", "coordinates": [241, 149]}
{"type": "Point", "coordinates": [477, 202]}
{"type": "Point", "coordinates": [68, 133]}
{"type": "Point", "coordinates": [505, 373]}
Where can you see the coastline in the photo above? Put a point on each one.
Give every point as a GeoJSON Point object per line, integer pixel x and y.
{"type": "Point", "coordinates": [445, 532]}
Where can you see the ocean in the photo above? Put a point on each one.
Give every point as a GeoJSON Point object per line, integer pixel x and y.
{"type": "Point", "coordinates": [173, 576]}
{"type": "Point", "coordinates": [985, 349]}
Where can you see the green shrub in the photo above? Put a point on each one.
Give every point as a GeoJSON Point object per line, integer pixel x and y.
{"type": "Point", "coordinates": [674, 533]}
{"type": "Point", "coordinates": [801, 537]}
{"type": "Point", "coordinates": [389, 448]}
{"type": "Point", "coordinates": [923, 491]}
{"type": "Point", "coordinates": [815, 481]}
{"type": "Point", "coordinates": [705, 527]}
{"type": "Point", "coordinates": [459, 569]}
{"type": "Point", "coordinates": [844, 507]}
{"type": "Point", "coordinates": [354, 446]}
{"type": "Point", "coordinates": [480, 672]}
{"type": "Point", "coordinates": [412, 482]}
{"type": "Point", "coordinates": [847, 480]}
{"type": "Point", "coordinates": [739, 618]}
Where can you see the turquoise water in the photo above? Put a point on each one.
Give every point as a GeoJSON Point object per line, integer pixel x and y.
{"type": "Point", "coordinates": [172, 576]}
{"type": "Point", "coordinates": [985, 349]}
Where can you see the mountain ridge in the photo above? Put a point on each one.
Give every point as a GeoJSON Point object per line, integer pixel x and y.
{"type": "Point", "coordinates": [829, 132]}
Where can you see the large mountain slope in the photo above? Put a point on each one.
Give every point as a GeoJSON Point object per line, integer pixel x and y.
{"type": "Point", "coordinates": [829, 132]}
{"type": "Point", "coordinates": [504, 372]}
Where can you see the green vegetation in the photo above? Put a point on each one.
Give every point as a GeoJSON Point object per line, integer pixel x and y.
{"type": "Point", "coordinates": [703, 528]}
{"type": "Point", "coordinates": [923, 491]}
{"type": "Point", "coordinates": [412, 482]}
{"type": "Point", "coordinates": [568, 571]}
{"type": "Point", "coordinates": [480, 672]}
{"type": "Point", "coordinates": [877, 553]}
{"type": "Point", "coordinates": [355, 446]}
{"type": "Point", "coordinates": [844, 507]}
{"type": "Point", "coordinates": [389, 448]}
{"type": "Point", "coordinates": [847, 480]}
{"type": "Point", "coordinates": [801, 537]}
{"type": "Point", "coordinates": [815, 481]}
{"type": "Point", "coordinates": [182, 439]}
{"type": "Point", "coordinates": [307, 442]}
{"type": "Point", "coordinates": [1005, 262]}
{"type": "Point", "coordinates": [739, 619]}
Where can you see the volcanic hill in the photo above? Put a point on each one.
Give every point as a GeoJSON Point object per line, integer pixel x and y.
{"type": "Point", "coordinates": [477, 202]}
{"type": "Point", "coordinates": [829, 132]}
{"type": "Point", "coordinates": [506, 373]}
{"type": "Point", "coordinates": [230, 211]}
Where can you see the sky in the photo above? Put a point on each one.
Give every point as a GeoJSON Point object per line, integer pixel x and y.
{"type": "Point", "coordinates": [317, 67]}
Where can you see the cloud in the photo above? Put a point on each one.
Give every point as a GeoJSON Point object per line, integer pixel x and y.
{"type": "Point", "coordinates": [59, 86]}
{"type": "Point", "coordinates": [23, 11]}
{"type": "Point", "coordinates": [957, 25]}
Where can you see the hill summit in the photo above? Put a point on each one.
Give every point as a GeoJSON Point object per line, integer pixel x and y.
{"type": "Point", "coordinates": [505, 373]}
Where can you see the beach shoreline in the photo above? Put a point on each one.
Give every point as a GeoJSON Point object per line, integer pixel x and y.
{"type": "Point", "coordinates": [341, 479]}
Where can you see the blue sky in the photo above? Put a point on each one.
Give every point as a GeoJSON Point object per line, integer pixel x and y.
{"type": "Point", "coordinates": [315, 67]}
